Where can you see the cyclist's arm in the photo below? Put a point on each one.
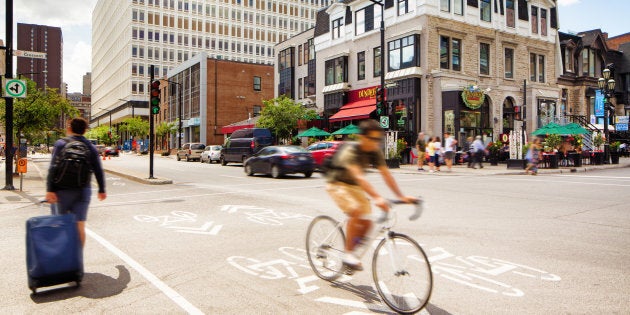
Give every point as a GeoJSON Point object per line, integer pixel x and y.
{"type": "Point", "coordinates": [359, 175]}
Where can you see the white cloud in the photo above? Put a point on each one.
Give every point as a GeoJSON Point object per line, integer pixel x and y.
{"type": "Point", "coordinates": [77, 61]}
{"type": "Point", "coordinates": [54, 12]}
{"type": "Point", "coordinates": [566, 3]}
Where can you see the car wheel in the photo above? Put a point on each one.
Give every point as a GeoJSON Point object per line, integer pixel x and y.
{"type": "Point", "coordinates": [308, 174]}
{"type": "Point", "coordinates": [187, 160]}
{"type": "Point", "coordinates": [223, 162]}
{"type": "Point", "coordinates": [275, 171]}
{"type": "Point", "coordinates": [178, 158]}
{"type": "Point", "coordinates": [248, 170]}
{"type": "Point", "coordinates": [243, 159]}
{"type": "Point", "coordinates": [201, 160]}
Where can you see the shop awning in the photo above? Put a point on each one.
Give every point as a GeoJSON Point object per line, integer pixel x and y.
{"type": "Point", "coordinates": [355, 110]}
{"type": "Point", "coordinates": [247, 123]}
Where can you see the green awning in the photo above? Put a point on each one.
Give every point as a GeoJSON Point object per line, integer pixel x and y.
{"type": "Point", "coordinates": [347, 130]}
{"type": "Point", "coordinates": [314, 132]}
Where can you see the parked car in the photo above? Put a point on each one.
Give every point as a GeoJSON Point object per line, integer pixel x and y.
{"type": "Point", "coordinates": [191, 151]}
{"type": "Point", "coordinates": [244, 143]}
{"type": "Point", "coordinates": [111, 151]}
{"type": "Point", "coordinates": [280, 160]}
{"type": "Point", "coordinates": [100, 148]}
{"type": "Point", "coordinates": [212, 153]}
{"type": "Point", "coordinates": [323, 149]}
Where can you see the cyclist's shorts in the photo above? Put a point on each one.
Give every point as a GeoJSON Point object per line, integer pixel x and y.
{"type": "Point", "coordinates": [349, 198]}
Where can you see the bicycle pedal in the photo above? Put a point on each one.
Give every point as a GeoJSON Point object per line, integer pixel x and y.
{"type": "Point", "coordinates": [348, 271]}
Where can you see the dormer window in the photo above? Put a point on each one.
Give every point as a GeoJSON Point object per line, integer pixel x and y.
{"type": "Point", "coordinates": [336, 28]}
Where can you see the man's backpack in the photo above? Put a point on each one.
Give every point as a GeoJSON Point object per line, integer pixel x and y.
{"type": "Point", "coordinates": [72, 166]}
{"type": "Point", "coordinates": [329, 162]}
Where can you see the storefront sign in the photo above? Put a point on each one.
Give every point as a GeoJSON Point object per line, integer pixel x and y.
{"type": "Point", "coordinates": [599, 104]}
{"type": "Point", "coordinates": [473, 96]}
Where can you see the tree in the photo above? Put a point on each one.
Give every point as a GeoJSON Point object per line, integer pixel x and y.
{"type": "Point", "coordinates": [103, 135]}
{"type": "Point", "coordinates": [38, 112]}
{"type": "Point", "coordinates": [281, 115]}
{"type": "Point", "coordinates": [163, 130]}
{"type": "Point", "coordinates": [135, 126]}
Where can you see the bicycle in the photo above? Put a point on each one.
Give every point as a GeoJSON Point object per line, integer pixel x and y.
{"type": "Point", "coordinates": [404, 281]}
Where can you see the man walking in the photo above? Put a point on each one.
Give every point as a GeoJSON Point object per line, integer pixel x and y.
{"type": "Point", "coordinates": [421, 146]}
{"type": "Point", "coordinates": [68, 197]}
{"type": "Point", "coordinates": [449, 150]}
{"type": "Point", "coordinates": [479, 151]}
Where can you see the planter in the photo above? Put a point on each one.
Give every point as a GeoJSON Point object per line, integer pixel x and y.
{"type": "Point", "coordinates": [576, 158]}
{"type": "Point", "coordinates": [553, 160]}
{"type": "Point", "coordinates": [614, 157]}
{"type": "Point", "coordinates": [518, 164]}
{"type": "Point", "coordinates": [597, 158]}
{"type": "Point", "coordinates": [493, 159]}
{"type": "Point", "coordinates": [393, 163]}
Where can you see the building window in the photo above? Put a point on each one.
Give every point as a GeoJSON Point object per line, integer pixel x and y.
{"type": "Point", "coordinates": [484, 58]}
{"type": "Point", "coordinates": [543, 22]}
{"type": "Point", "coordinates": [458, 7]}
{"type": "Point", "coordinates": [534, 20]}
{"type": "Point", "coordinates": [568, 59]}
{"type": "Point", "coordinates": [257, 84]}
{"type": "Point", "coordinates": [509, 63]}
{"type": "Point", "coordinates": [337, 70]}
{"type": "Point", "coordinates": [285, 59]}
{"type": "Point", "coordinates": [484, 10]}
{"type": "Point", "coordinates": [377, 62]}
{"type": "Point", "coordinates": [403, 53]}
{"type": "Point", "coordinates": [256, 109]}
{"type": "Point", "coordinates": [361, 65]}
{"type": "Point", "coordinates": [403, 7]}
{"type": "Point", "coordinates": [450, 53]}
{"type": "Point", "coordinates": [366, 19]}
{"type": "Point", "coordinates": [445, 5]}
{"type": "Point", "coordinates": [510, 17]}
{"type": "Point", "coordinates": [537, 68]}
{"type": "Point", "coordinates": [299, 55]}
{"type": "Point", "coordinates": [300, 89]}
{"type": "Point", "coordinates": [336, 28]}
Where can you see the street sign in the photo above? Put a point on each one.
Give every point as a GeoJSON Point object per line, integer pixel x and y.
{"type": "Point", "coordinates": [384, 122]}
{"type": "Point", "coordinates": [14, 88]}
{"type": "Point", "coordinates": [21, 165]}
{"type": "Point", "coordinates": [29, 54]}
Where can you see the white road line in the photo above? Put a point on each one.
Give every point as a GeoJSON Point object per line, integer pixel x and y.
{"type": "Point", "coordinates": [168, 291]}
{"type": "Point", "coordinates": [541, 179]}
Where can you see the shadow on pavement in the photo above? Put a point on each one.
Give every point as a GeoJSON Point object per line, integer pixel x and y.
{"type": "Point", "coordinates": [93, 286]}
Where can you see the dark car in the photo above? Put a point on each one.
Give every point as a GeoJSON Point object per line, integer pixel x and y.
{"type": "Point", "coordinates": [111, 151]}
{"type": "Point", "coordinates": [280, 160]}
{"type": "Point", "coordinates": [322, 150]}
{"type": "Point", "coordinates": [244, 143]}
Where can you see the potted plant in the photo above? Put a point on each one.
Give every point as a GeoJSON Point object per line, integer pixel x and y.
{"type": "Point", "coordinates": [552, 142]}
{"type": "Point", "coordinates": [493, 152]}
{"type": "Point", "coordinates": [393, 160]}
{"type": "Point", "coordinates": [597, 157]}
{"type": "Point", "coordinates": [614, 152]}
{"type": "Point", "coordinates": [598, 141]}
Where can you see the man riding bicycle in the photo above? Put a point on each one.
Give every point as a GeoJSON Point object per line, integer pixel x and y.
{"type": "Point", "coordinates": [349, 189]}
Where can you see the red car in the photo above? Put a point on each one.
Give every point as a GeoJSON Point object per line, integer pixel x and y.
{"type": "Point", "coordinates": [322, 149]}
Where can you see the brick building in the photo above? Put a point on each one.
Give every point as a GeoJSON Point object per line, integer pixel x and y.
{"type": "Point", "coordinates": [469, 67]}
{"type": "Point", "coordinates": [46, 72]}
{"type": "Point", "coordinates": [216, 93]}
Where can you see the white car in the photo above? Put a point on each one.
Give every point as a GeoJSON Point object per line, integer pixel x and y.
{"type": "Point", "coordinates": [211, 154]}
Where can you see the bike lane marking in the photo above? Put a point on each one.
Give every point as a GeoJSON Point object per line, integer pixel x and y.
{"type": "Point", "coordinates": [168, 291]}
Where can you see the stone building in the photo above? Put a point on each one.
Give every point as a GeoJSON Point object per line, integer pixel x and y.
{"type": "Point", "coordinates": [469, 67]}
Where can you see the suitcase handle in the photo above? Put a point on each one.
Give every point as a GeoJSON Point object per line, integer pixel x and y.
{"type": "Point", "coordinates": [54, 207]}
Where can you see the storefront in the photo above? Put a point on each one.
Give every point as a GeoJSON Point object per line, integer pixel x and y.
{"type": "Point", "coordinates": [466, 113]}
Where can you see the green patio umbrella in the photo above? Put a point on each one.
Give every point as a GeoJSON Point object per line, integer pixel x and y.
{"type": "Point", "coordinates": [549, 129]}
{"type": "Point", "coordinates": [314, 132]}
{"type": "Point", "coordinates": [347, 130]}
{"type": "Point", "coordinates": [575, 129]}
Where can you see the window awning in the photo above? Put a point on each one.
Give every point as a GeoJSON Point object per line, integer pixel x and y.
{"type": "Point", "coordinates": [355, 110]}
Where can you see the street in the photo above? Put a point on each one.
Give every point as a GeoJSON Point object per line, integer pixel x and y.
{"type": "Point", "coordinates": [219, 242]}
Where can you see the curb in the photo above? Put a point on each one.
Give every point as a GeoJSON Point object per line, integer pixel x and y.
{"type": "Point", "coordinates": [140, 179]}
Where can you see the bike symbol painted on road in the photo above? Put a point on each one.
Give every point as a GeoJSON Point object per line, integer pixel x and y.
{"type": "Point", "coordinates": [181, 217]}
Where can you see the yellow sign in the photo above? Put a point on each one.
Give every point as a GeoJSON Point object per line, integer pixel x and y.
{"type": "Point", "coordinates": [473, 96]}
{"type": "Point", "coordinates": [21, 165]}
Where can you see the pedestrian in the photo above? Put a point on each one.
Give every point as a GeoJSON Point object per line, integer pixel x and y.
{"type": "Point", "coordinates": [450, 144]}
{"type": "Point", "coordinates": [532, 157]}
{"type": "Point", "coordinates": [479, 150]}
{"type": "Point", "coordinates": [421, 147]}
{"type": "Point", "coordinates": [74, 200]}
{"type": "Point", "coordinates": [437, 146]}
{"type": "Point", "coordinates": [349, 188]}
{"type": "Point", "coordinates": [469, 151]}
{"type": "Point", "coordinates": [431, 154]}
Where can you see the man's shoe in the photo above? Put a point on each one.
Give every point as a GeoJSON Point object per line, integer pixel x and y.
{"type": "Point", "coordinates": [352, 262]}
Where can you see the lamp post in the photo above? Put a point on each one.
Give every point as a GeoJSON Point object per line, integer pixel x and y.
{"type": "Point", "coordinates": [179, 112]}
{"type": "Point", "coordinates": [382, 29]}
{"type": "Point", "coordinates": [607, 86]}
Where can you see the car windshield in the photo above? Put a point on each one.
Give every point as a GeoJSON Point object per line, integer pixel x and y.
{"type": "Point", "coordinates": [197, 146]}
{"type": "Point", "coordinates": [294, 149]}
{"type": "Point", "coordinates": [216, 148]}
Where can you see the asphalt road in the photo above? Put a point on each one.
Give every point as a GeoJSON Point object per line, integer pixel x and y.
{"type": "Point", "coordinates": [219, 242]}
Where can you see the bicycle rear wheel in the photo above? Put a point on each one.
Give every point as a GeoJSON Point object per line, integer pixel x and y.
{"type": "Point", "coordinates": [325, 247]}
{"type": "Point", "coordinates": [402, 274]}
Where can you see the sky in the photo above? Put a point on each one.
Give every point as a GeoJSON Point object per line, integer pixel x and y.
{"type": "Point", "coordinates": [75, 19]}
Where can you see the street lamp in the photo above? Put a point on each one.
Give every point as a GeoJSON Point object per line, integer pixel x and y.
{"type": "Point", "coordinates": [382, 5]}
{"type": "Point", "coordinates": [179, 112]}
{"type": "Point", "coordinates": [607, 86]}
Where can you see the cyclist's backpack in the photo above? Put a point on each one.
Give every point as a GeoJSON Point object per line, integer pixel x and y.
{"type": "Point", "coordinates": [72, 166]}
{"type": "Point", "coordinates": [329, 164]}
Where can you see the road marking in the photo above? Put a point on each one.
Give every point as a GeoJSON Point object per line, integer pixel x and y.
{"type": "Point", "coordinates": [168, 291]}
{"type": "Point", "coordinates": [564, 182]}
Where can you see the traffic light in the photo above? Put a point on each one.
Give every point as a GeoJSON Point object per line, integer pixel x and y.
{"type": "Point", "coordinates": [380, 101]}
{"type": "Point", "coordinates": [155, 97]}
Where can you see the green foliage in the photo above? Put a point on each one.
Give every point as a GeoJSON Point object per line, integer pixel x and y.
{"type": "Point", "coordinates": [102, 134]}
{"type": "Point", "coordinates": [494, 147]}
{"type": "Point", "coordinates": [163, 130]}
{"type": "Point", "coordinates": [553, 141]}
{"type": "Point", "coordinates": [614, 146]}
{"type": "Point", "coordinates": [38, 112]}
{"type": "Point", "coordinates": [135, 126]}
{"type": "Point", "coordinates": [598, 140]}
{"type": "Point", "coordinates": [281, 115]}
{"type": "Point", "coordinates": [401, 145]}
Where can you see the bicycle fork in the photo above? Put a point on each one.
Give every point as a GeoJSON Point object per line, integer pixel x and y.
{"type": "Point", "coordinates": [393, 255]}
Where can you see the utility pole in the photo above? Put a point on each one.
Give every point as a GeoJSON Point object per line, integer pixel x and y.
{"type": "Point", "coordinates": [9, 100]}
{"type": "Point", "coordinates": [151, 124]}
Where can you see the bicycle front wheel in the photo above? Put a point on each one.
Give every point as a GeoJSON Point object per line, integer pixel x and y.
{"type": "Point", "coordinates": [325, 247]}
{"type": "Point", "coordinates": [402, 274]}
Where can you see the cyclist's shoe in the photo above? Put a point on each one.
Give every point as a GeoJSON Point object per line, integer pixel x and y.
{"type": "Point", "coordinates": [352, 262]}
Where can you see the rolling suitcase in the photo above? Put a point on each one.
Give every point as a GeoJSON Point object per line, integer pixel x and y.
{"type": "Point", "coordinates": [53, 251]}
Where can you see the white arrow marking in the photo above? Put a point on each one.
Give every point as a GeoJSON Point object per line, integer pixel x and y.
{"type": "Point", "coordinates": [204, 229]}
{"type": "Point", "coordinates": [235, 208]}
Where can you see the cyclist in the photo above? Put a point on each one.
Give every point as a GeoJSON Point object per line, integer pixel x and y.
{"type": "Point", "coordinates": [349, 189]}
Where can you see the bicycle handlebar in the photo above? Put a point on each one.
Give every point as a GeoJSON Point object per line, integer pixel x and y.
{"type": "Point", "coordinates": [414, 216]}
